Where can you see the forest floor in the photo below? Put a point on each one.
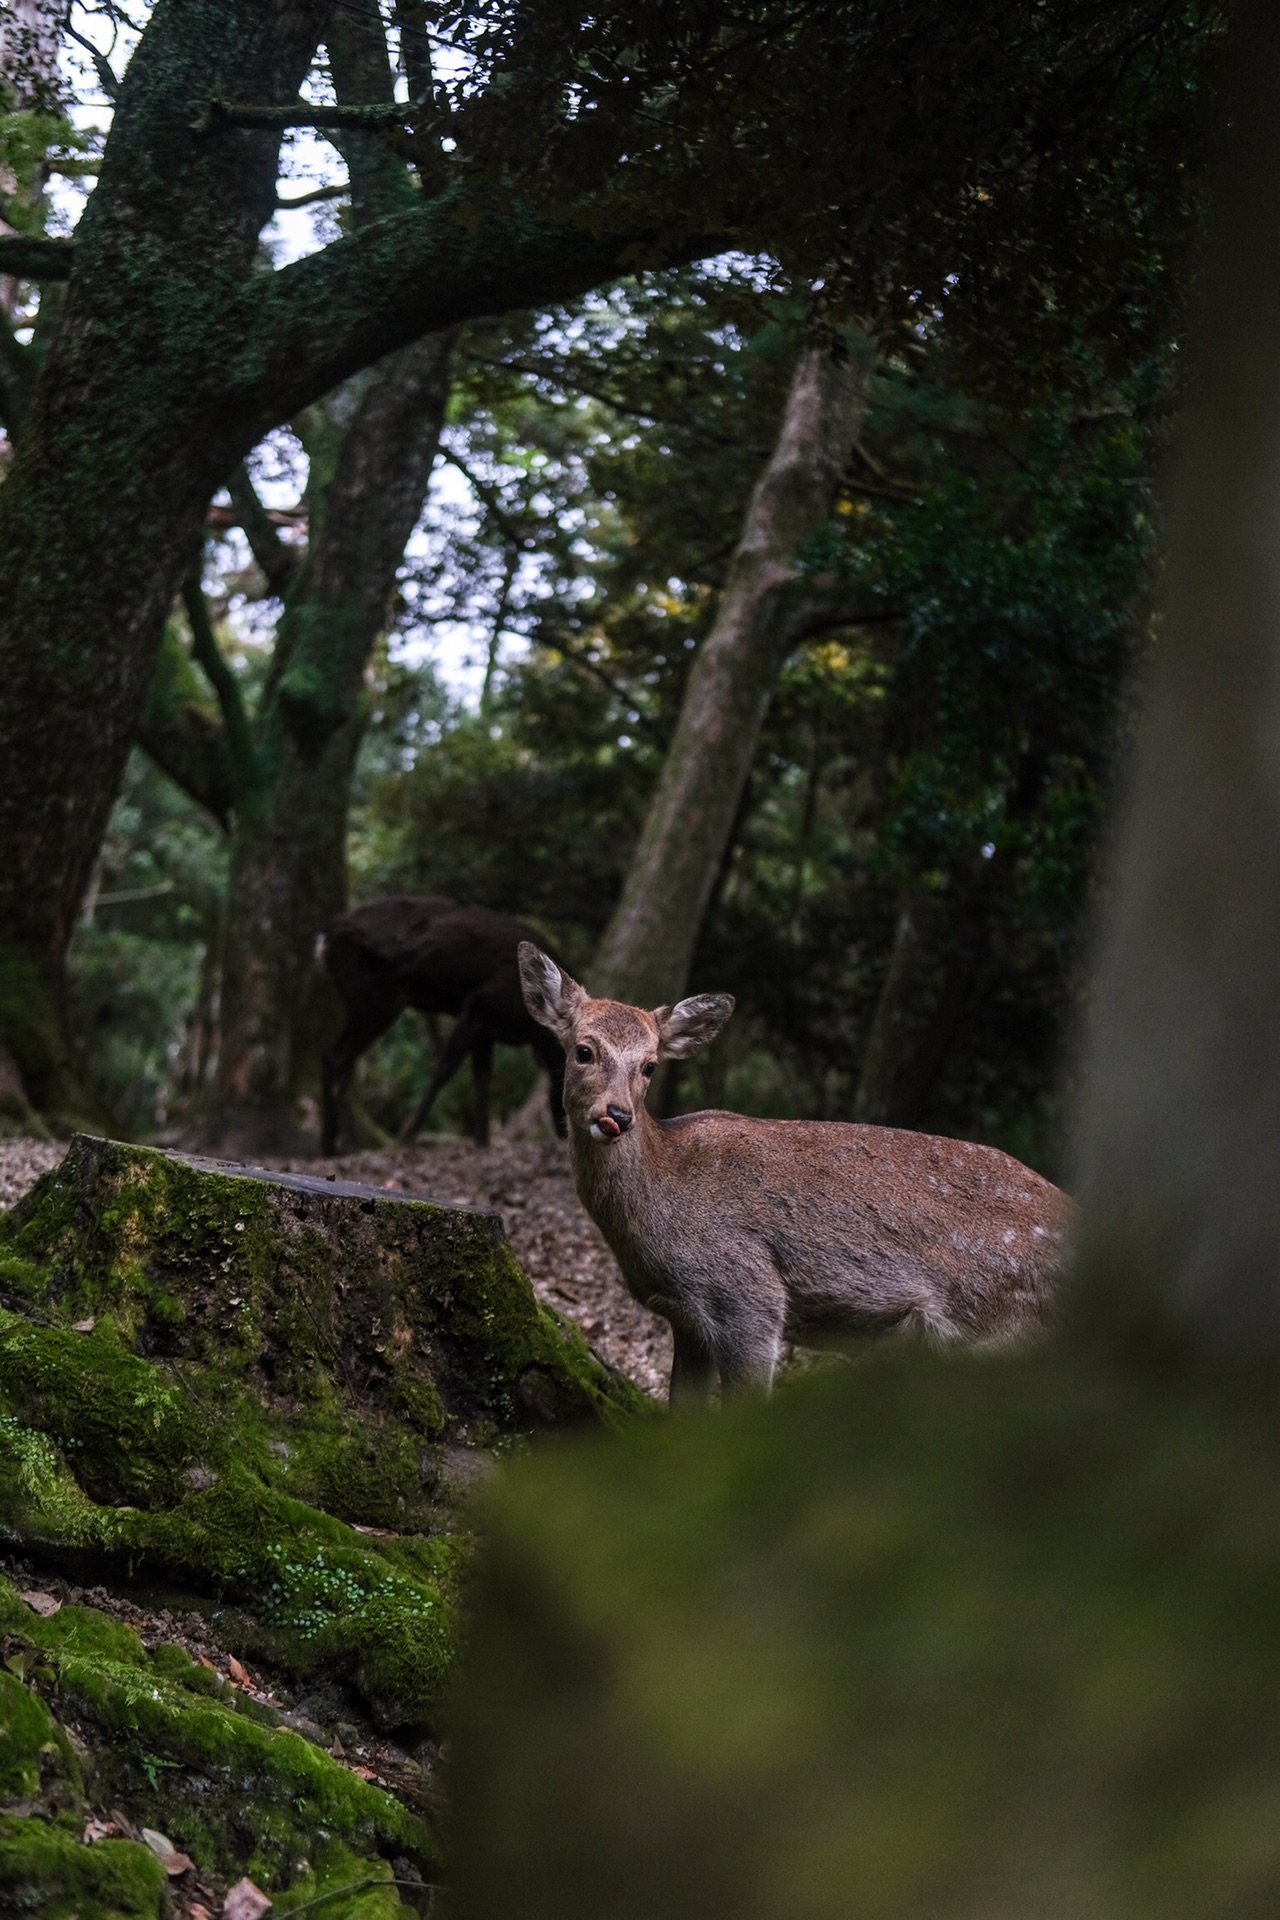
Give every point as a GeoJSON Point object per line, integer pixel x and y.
{"type": "Point", "coordinates": [528, 1184]}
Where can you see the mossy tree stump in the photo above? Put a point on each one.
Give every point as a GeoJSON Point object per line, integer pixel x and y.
{"type": "Point", "coordinates": [215, 1375]}
{"type": "Point", "coordinates": [267, 1394]}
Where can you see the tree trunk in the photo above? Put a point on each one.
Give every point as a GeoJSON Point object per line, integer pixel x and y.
{"type": "Point", "coordinates": [1180, 1119]}
{"type": "Point", "coordinates": [648, 947]}
{"type": "Point", "coordinates": [288, 864]}
{"type": "Point", "coordinates": [916, 1015]}
{"type": "Point", "coordinates": [111, 475]}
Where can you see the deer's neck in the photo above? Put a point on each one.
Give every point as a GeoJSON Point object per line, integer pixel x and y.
{"type": "Point", "coordinates": [614, 1178]}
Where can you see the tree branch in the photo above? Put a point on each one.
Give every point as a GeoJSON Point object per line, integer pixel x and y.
{"type": "Point", "coordinates": [36, 256]}
{"type": "Point", "coordinates": [362, 119]}
{"type": "Point", "coordinates": [205, 647]}
{"type": "Point", "coordinates": [106, 77]}
{"type": "Point", "coordinates": [183, 739]}
{"type": "Point", "coordinates": [278, 560]}
{"type": "Point", "coordinates": [315, 194]}
{"type": "Point", "coordinates": [456, 258]}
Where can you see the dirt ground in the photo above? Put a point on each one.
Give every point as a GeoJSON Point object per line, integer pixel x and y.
{"type": "Point", "coordinates": [528, 1183]}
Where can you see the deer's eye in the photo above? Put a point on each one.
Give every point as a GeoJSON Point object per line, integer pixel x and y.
{"type": "Point", "coordinates": [583, 1054]}
{"type": "Point", "coordinates": [649, 1069]}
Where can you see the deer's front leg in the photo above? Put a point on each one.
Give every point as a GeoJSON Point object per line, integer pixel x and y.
{"type": "Point", "coordinates": [692, 1370]}
{"type": "Point", "coordinates": [747, 1345]}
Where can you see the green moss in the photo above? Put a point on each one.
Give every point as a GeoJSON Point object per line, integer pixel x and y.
{"type": "Point", "coordinates": [410, 1309]}
{"type": "Point", "coordinates": [202, 1763]}
{"type": "Point", "coordinates": [32, 1747]}
{"type": "Point", "coordinates": [418, 1402]}
{"type": "Point", "coordinates": [270, 1366]}
{"type": "Point", "coordinates": [130, 1430]}
{"type": "Point", "coordinates": [941, 1637]}
{"type": "Point", "coordinates": [46, 1870]}
{"type": "Point", "coordinates": [334, 1871]}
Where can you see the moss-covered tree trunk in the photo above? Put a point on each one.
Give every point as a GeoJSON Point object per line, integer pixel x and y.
{"type": "Point", "coordinates": [110, 477]}
{"type": "Point", "coordinates": [648, 946]}
{"type": "Point", "coordinates": [174, 354]}
{"type": "Point", "coordinates": [370, 472]}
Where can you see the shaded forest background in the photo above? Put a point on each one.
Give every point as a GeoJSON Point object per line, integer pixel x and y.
{"type": "Point", "coordinates": [903, 907]}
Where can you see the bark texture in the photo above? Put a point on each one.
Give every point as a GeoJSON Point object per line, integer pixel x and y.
{"type": "Point", "coordinates": [1179, 1136]}
{"type": "Point", "coordinates": [648, 947]}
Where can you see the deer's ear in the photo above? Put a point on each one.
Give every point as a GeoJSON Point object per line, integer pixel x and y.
{"type": "Point", "coordinates": [551, 996]}
{"type": "Point", "coordinates": [691, 1024]}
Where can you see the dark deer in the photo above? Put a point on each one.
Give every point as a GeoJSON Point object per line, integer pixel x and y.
{"type": "Point", "coordinates": [429, 952]}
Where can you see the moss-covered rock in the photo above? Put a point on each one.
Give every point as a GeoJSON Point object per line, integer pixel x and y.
{"type": "Point", "coordinates": [939, 1638]}
{"type": "Point", "coordinates": [216, 1376]}
{"type": "Point", "coordinates": [47, 1871]}
{"type": "Point", "coordinates": [187, 1756]}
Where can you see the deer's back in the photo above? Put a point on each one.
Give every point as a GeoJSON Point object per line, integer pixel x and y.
{"type": "Point", "coordinates": [442, 954]}
{"type": "Point", "coordinates": [859, 1224]}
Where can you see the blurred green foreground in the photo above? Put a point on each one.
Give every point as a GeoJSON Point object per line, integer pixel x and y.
{"type": "Point", "coordinates": [945, 1639]}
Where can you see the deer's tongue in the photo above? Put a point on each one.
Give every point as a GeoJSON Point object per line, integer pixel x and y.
{"type": "Point", "coordinates": [608, 1126]}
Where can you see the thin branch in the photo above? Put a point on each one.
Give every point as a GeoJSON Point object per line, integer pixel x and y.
{"type": "Point", "coordinates": [36, 256]}
{"type": "Point", "coordinates": [205, 647]}
{"type": "Point", "coordinates": [277, 559]}
{"type": "Point", "coordinates": [510, 567]}
{"type": "Point", "coordinates": [106, 78]}
{"type": "Point", "coordinates": [575, 658]}
{"type": "Point", "coordinates": [302, 113]}
{"type": "Point", "coordinates": [555, 374]}
{"type": "Point", "coordinates": [516, 532]}
{"type": "Point", "coordinates": [893, 492]}
{"type": "Point", "coordinates": [334, 192]}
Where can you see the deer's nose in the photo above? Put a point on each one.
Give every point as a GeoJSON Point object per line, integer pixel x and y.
{"type": "Point", "coordinates": [621, 1117]}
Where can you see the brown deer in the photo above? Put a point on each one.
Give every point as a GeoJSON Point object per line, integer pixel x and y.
{"type": "Point", "coordinates": [748, 1233]}
{"type": "Point", "coordinates": [430, 952]}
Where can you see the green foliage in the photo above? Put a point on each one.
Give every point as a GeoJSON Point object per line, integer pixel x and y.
{"type": "Point", "coordinates": [26, 141]}
{"type": "Point", "coordinates": [956, 733]}
{"type": "Point", "coordinates": [142, 963]}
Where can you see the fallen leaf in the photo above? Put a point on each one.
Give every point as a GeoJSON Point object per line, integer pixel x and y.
{"type": "Point", "coordinates": [84, 1326]}
{"type": "Point", "coordinates": [95, 1830]}
{"type": "Point", "coordinates": [125, 1824]}
{"type": "Point", "coordinates": [206, 1663]}
{"type": "Point", "coordinates": [198, 1912]}
{"type": "Point", "coordinates": [43, 1603]}
{"type": "Point", "coordinates": [173, 1862]}
{"type": "Point", "coordinates": [244, 1901]}
{"type": "Point", "coordinates": [19, 1663]}
{"type": "Point", "coordinates": [364, 1773]}
{"type": "Point", "coordinates": [379, 1533]}
{"type": "Point", "coordinates": [238, 1673]}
